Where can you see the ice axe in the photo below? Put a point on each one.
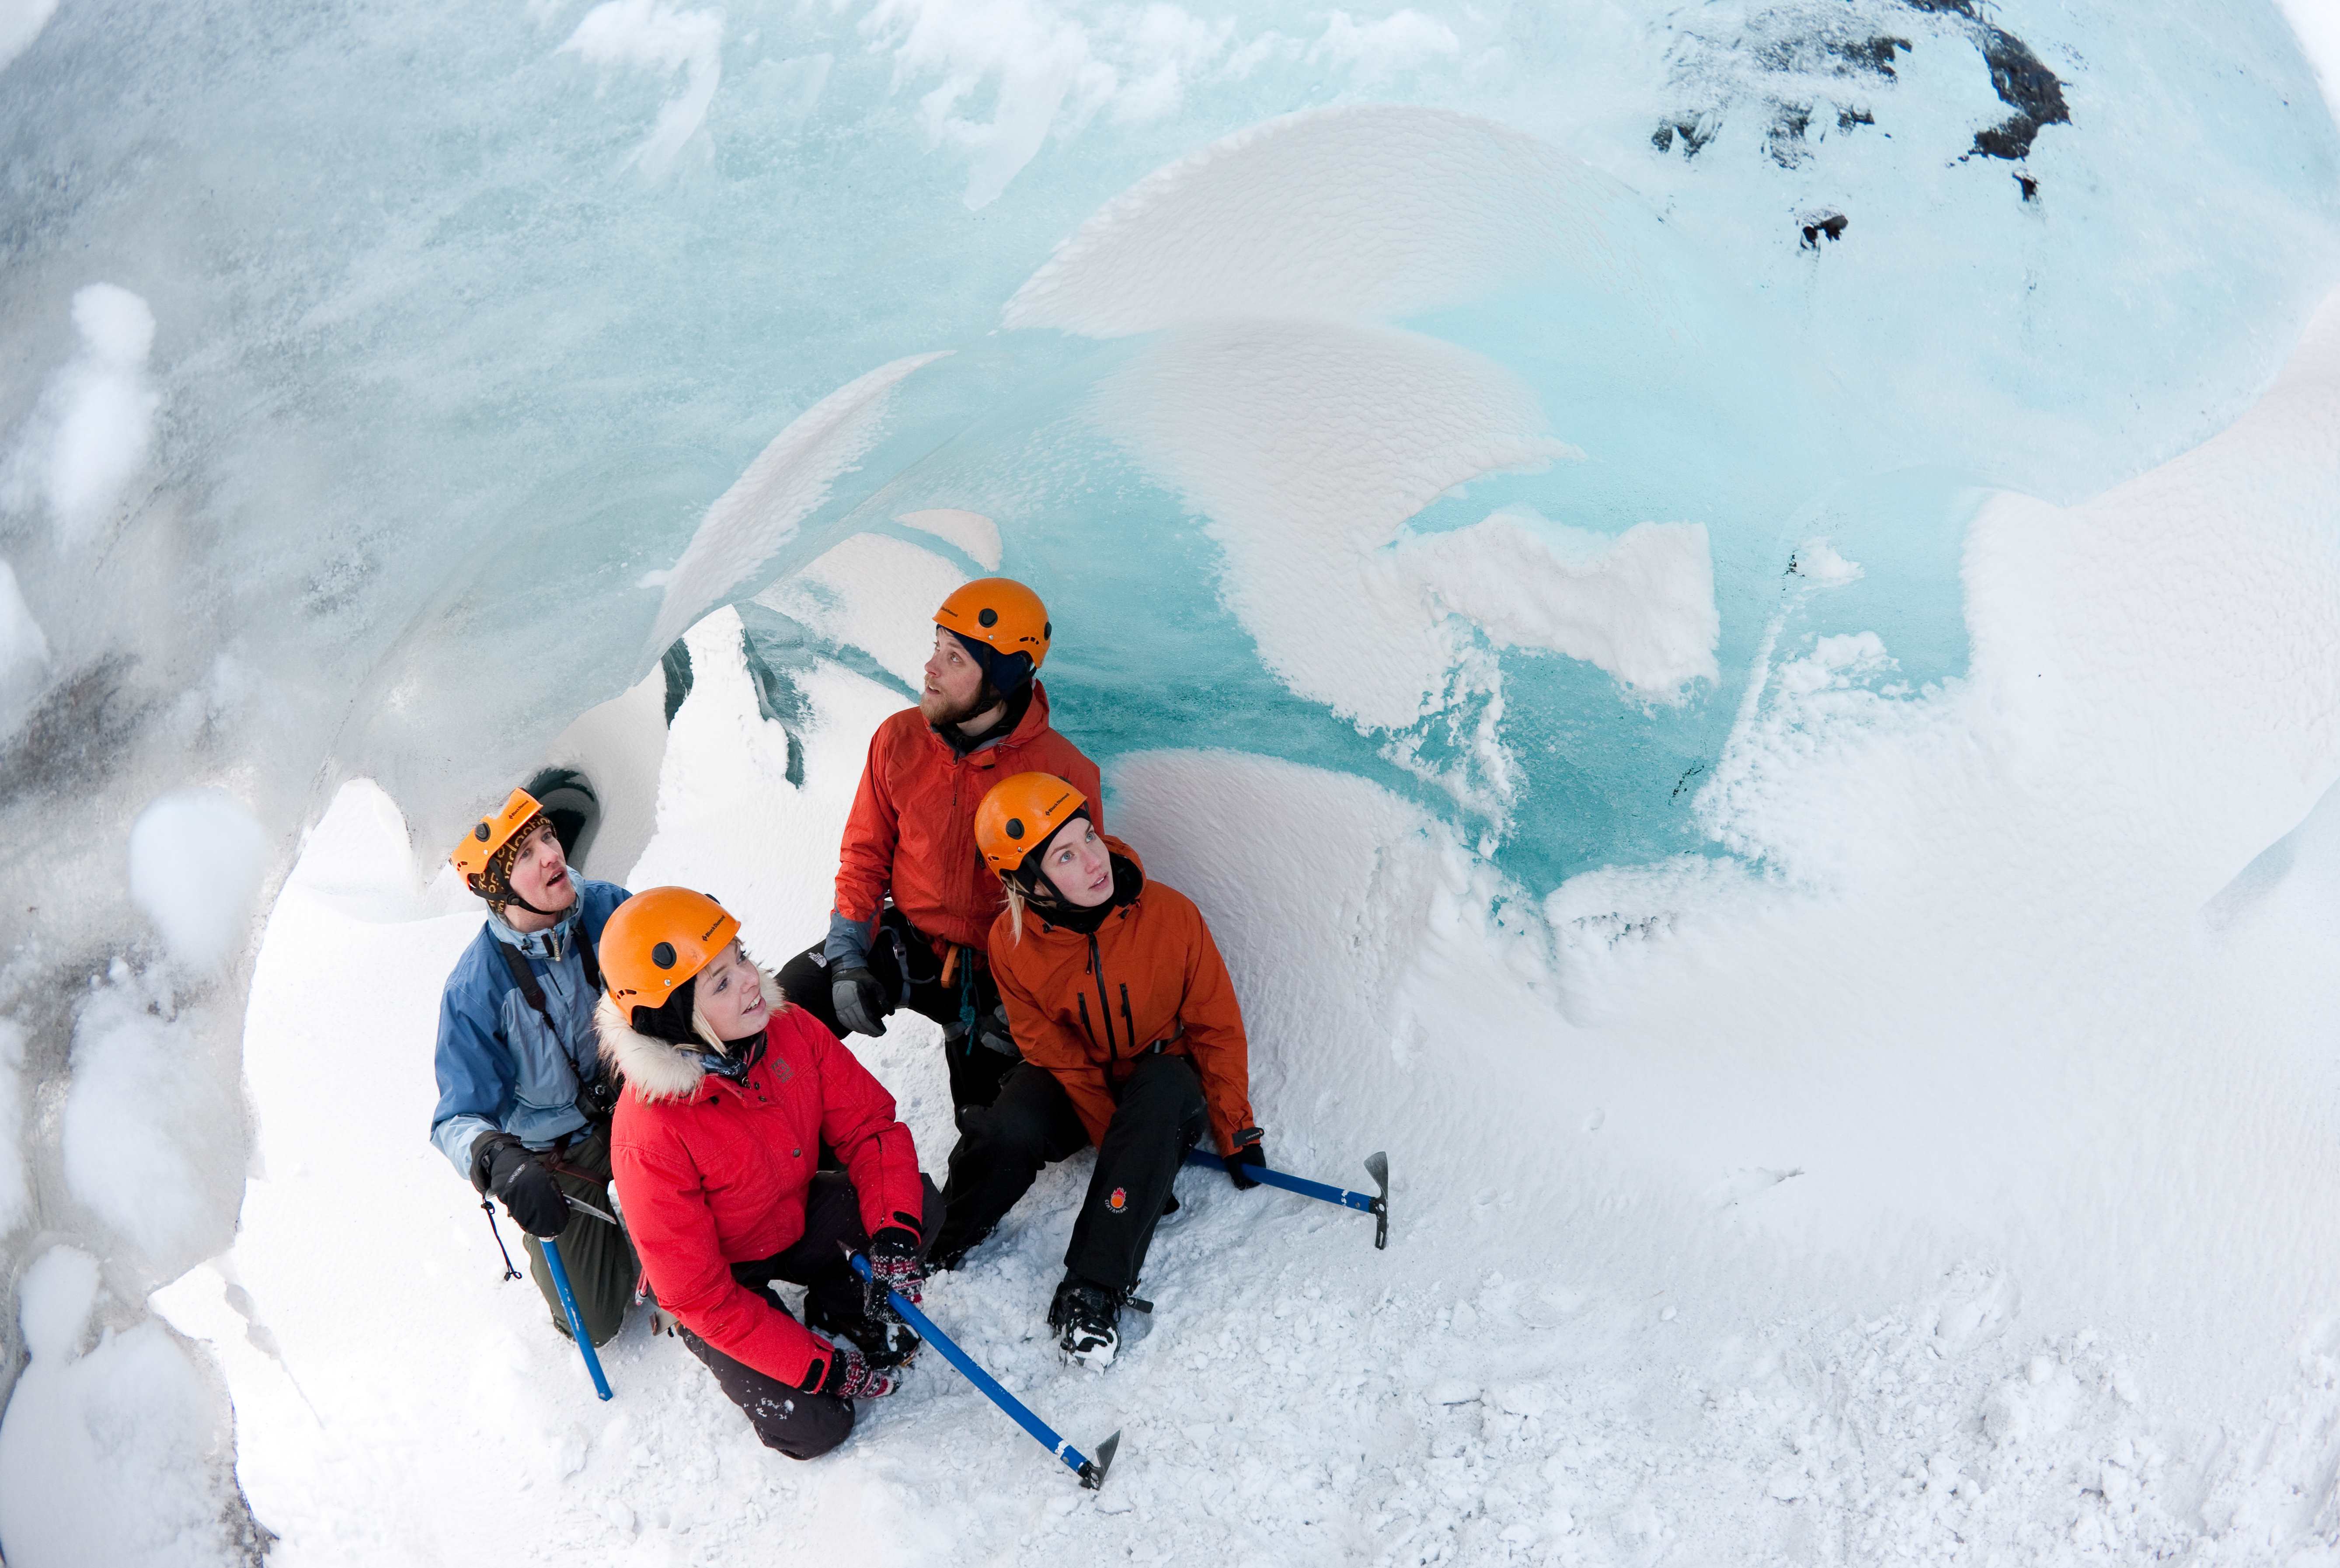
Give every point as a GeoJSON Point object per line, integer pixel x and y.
{"type": "Point", "coordinates": [1090, 1470]}
{"type": "Point", "coordinates": [576, 1318]}
{"type": "Point", "coordinates": [1376, 1167]}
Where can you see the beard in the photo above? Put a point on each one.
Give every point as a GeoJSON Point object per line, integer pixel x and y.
{"type": "Point", "coordinates": [938, 710]}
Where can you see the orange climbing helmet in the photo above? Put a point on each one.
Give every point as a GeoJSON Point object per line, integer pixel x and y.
{"type": "Point", "coordinates": [478, 849]}
{"type": "Point", "coordinates": [1020, 814]}
{"type": "Point", "coordinates": [659, 939]}
{"type": "Point", "coordinates": [1002, 614]}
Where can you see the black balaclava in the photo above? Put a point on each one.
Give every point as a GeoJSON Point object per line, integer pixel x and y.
{"type": "Point", "coordinates": [671, 1021]}
{"type": "Point", "coordinates": [1041, 894]}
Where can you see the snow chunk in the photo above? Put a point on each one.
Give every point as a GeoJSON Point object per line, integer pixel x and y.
{"type": "Point", "coordinates": [1641, 606]}
{"type": "Point", "coordinates": [789, 480]}
{"type": "Point", "coordinates": [664, 39]}
{"type": "Point", "coordinates": [21, 21]}
{"type": "Point", "coordinates": [153, 1135]}
{"type": "Point", "coordinates": [89, 436]}
{"type": "Point", "coordinates": [874, 593]}
{"type": "Point", "coordinates": [1817, 560]}
{"type": "Point", "coordinates": [24, 653]}
{"type": "Point", "coordinates": [53, 1303]}
{"type": "Point", "coordinates": [15, 1191]}
{"type": "Point", "coordinates": [970, 530]}
{"type": "Point", "coordinates": [118, 1456]}
{"type": "Point", "coordinates": [1368, 213]}
{"type": "Point", "coordinates": [197, 858]}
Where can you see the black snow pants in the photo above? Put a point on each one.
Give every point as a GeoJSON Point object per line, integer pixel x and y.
{"type": "Point", "coordinates": [1157, 1116]}
{"type": "Point", "coordinates": [799, 1424]}
{"type": "Point", "coordinates": [904, 961]}
{"type": "Point", "coordinates": [597, 1256]}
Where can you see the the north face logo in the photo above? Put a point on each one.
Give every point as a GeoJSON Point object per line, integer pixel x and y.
{"type": "Point", "coordinates": [1119, 1200]}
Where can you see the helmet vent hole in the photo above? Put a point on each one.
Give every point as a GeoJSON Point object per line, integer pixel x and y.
{"type": "Point", "coordinates": [1015, 827]}
{"type": "Point", "coordinates": [481, 832]}
{"type": "Point", "coordinates": [1047, 628]}
{"type": "Point", "coordinates": [988, 619]}
{"type": "Point", "coordinates": [663, 955]}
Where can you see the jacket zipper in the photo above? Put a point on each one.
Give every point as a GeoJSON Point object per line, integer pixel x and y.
{"type": "Point", "coordinates": [1112, 1052]}
{"type": "Point", "coordinates": [1128, 1024]}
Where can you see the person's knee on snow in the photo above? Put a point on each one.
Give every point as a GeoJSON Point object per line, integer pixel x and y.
{"type": "Point", "coordinates": [715, 1147]}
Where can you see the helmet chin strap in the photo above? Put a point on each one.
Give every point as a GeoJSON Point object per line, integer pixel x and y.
{"type": "Point", "coordinates": [505, 893]}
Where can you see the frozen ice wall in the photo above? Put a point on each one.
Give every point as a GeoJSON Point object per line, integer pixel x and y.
{"type": "Point", "coordinates": [1506, 406]}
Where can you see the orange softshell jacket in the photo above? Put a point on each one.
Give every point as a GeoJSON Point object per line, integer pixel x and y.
{"type": "Point", "coordinates": [1086, 1008]}
{"type": "Point", "coordinates": [911, 831]}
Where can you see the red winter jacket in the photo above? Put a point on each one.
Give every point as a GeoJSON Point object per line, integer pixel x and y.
{"type": "Point", "coordinates": [911, 831]}
{"type": "Point", "coordinates": [711, 1173]}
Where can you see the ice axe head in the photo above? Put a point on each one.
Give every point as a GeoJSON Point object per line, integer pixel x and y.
{"type": "Point", "coordinates": [1377, 1167]}
{"type": "Point", "coordinates": [1093, 1473]}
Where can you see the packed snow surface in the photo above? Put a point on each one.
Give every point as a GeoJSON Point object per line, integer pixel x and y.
{"type": "Point", "coordinates": [1759, 580]}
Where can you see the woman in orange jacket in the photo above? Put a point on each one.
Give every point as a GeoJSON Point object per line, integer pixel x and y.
{"type": "Point", "coordinates": [1131, 1040]}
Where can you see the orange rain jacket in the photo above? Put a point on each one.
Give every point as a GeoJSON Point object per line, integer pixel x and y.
{"type": "Point", "coordinates": [1086, 1008]}
{"type": "Point", "coordinates": [911, 831]}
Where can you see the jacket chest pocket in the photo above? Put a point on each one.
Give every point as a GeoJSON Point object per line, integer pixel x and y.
{"type": "Point", "coordinates": [543, 1077]}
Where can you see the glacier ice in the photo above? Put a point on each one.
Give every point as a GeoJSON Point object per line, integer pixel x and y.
{"type": "Point", "coordinates": [1626, 465]}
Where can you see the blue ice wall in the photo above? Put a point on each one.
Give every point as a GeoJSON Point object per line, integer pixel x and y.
{"type": "Point", "coordinates": [454, 347]}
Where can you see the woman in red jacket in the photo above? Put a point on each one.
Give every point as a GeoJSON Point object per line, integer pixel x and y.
{"type": "Point", "coordinates": [1131, 1038]}
{"type": "Point", "coordinates": [729, 1093]}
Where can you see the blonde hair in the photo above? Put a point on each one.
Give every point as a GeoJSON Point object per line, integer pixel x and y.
{"type": "Point", "coordinates": [1015, 892]}
{"type": "Point", "coordinates": [765, 981]}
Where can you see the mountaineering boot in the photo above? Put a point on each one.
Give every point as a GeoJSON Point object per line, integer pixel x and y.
{"type": "Point", "coordinates": [1087, 1320]}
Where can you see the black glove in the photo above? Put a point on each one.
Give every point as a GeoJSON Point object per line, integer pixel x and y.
{"type": "Point", "coordinates": [1253, 1153]}
{"type": "Point", "coordinates": [993, 1033]}
{"type": "Point", "coordinates": [850, 1376]}
{"type": "Point", "coordinates": [893, 1264]}
{"type": "Point", "coordinates": [503, 1167]}
{"type": "Point", "coordinates": [857, 999]}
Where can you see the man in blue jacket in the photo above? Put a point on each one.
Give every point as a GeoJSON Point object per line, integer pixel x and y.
{"type": "Point", "coordinates": [523, 1105]}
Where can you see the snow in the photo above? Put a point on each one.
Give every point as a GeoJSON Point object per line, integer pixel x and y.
{"type": "Point", "coordinates": [196, 860]}
{"type": "Point", "coordinates": [21, 21]}
{"type": "Point", "coordinates": [16, 1188]}
{"type": "Point", "coordinates": [152, 1132]}
{"type": "Point", "coordinates": [1884, 1196]}
{"type": "Point", "coordinates": [24, 653]}
{"type": "Point", "coordinates": [895, 623]}
{"type": "Point", "coordinates": [1793, 777]}
{"type": "Point", "coordinates": [663, 38]}
{"type": "Point", "coordinates": [109, 1455]}
{"type": "Point", "coordinates": [761, 511]}
{"type": "Point", "coordinates": [1371, 212]}
{"type": "Point", "coordinates": [90, 435]}
{"type": "Point", "coordinates": [972, 531]}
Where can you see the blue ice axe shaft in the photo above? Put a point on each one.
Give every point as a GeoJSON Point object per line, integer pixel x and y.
{"type": "Point", "coordinates": [1376, 1167]}
{"type": "Point", "coordinates": [576, 1318]}
{"type": "Point", "coordinates": [1091, 1471]}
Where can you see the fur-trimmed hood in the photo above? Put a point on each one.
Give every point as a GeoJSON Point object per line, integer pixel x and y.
{"type": "Point", "coordinates": [656, 1069]}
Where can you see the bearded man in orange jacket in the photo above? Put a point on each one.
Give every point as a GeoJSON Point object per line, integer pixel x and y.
{"type": "Point", "coordinates": [914, 901]}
